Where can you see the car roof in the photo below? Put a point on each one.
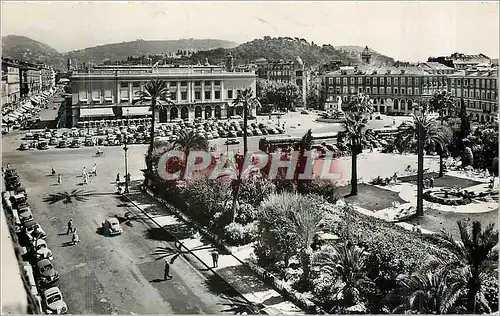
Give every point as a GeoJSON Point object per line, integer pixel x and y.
{"type": "Point", "coordinates": [52, 290]}
{"type": "Point", "coordinates": [43, 262]}
{"type": "Point", "coordinates": [113, 220]}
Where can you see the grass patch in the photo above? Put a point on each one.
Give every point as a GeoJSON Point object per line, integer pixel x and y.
{"type": "Point", "coordinates": [445, 181]}
{"type": "Point", "coordinates": [371, 197]}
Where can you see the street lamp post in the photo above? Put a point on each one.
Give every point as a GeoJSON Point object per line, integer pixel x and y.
{"type": "Point", "coordinates": [125, 149]}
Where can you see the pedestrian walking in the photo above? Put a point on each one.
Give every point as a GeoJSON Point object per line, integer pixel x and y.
{"type": "Point", "coordinates": [86, 179]}
{"type": "Point", "coordinates": [59, 179]}
{"type": "Point", "coordinates": [431, 182]}
{"type": "Point", "coordinates": [166, 273]}
{"type": "Point", "coordinates": [215, 258]}
{"type": "Point", "coordinates": [118, 178]}
{"type": "Point", "coordinates": [53, 171]}
{"type": "Point", "coordinates": [84, 171]}
{"type": "Point", "coordinates": [94, 170]}
{"type": "Point", "coordinates": [70, 226]}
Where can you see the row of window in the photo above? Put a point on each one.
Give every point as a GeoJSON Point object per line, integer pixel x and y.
{"type": "Point", "coordinates": [477, 94]}
{"type": "Point", "coordinates": [96, 95]}
{"type": "Point", "coordinates": [378, 90]}
{"type": "Point", "coordinates": [483, 83]}
{"type": "Point", "coordinates": [409, 81]}
{"type": "Point", "coordinates": [481, 106]}
{"type": "Point", "coordinates": [137, 84]}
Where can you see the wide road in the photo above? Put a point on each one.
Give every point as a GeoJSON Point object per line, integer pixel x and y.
{"type": "Point", "coordinates": [103, 275]}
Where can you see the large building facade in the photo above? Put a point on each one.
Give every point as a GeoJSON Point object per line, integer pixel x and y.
{"type": "Point", "coordinates": [111, 92]}
{"type": "Point", "coordinates": [392, 89]}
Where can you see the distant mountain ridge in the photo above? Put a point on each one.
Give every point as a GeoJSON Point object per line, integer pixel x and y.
{"type": "Point", "coordinates": [24, 48]}
{"type": "Point", "coordinates": [286, 48]}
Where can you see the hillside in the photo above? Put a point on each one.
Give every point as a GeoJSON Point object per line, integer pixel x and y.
{"type": "Point", "coordinates": [120, 51]}
{"type": "Point", "coordinates": [24, 48]}
{"type": "Point", "coordinates": [287, 48]}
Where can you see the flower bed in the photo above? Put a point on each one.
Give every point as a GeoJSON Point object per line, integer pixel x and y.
{"type": "Point", "coordinates": [448, 197]}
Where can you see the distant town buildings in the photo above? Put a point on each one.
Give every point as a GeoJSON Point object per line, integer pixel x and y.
{"type": "Point", "coordinates": [459, 61]}
{"type": "Point", "coordinates": [111, 92]}
{"type": "Point", "coordinates": [400, 89]}
{"type": "Point", "coordinates": [22, 81]}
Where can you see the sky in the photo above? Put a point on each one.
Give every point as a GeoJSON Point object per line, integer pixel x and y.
{"type": "Point", "coordinates": [409, 31]}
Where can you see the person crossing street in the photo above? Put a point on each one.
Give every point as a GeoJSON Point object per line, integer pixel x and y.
{"type": "Point", "coordinates": [70, 226]}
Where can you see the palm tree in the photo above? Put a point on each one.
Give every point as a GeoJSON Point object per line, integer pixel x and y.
{"type": "Point", "coordinates": [476, 256]}
{"type": "Point", "coordinates": [355, 133]}
{"type": "Point", "coordinates": [190, 140]}
{"type": "Point", "coordinates": [430, 292]}
{"type": "Point", "coordinates": [155, 90]}
{"type": "Point", "coordinates": [349, 263]}
{"type": "Point", "coordinates": [427, 131]}
{"type": "Point", "coordinates": [246, 100]}
{"type": "Point", "coordinates": [442, 102]}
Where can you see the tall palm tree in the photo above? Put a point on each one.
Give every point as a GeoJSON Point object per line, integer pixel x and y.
{"type": "Point", "coordinates": [349, 263]}
{"type": "Point", "coordinates": [355, 133]}
{"type": "Point", "coordinates": [156, 92]}
{"type": "Point", "coordinates": [442, 102]}
{"type": "Point", "coordinates": [245, 99]}
{"type": "Point", "coordinates": [476, 255]}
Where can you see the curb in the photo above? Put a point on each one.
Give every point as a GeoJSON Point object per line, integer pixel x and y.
{"type": "Point", "coordinates": [266, 277]}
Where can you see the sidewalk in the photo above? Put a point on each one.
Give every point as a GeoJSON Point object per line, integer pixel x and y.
{"type": "Point", "coordinates": [232, 270]}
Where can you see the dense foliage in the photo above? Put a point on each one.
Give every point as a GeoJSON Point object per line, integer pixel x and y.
{"type": "Point", "coordinates": [277, 95]}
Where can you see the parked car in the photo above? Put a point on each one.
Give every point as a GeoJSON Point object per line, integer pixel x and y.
{"type": "Point", "coordinates": [34, 231]}
{"type": "Point", "coordinates": [53, 301]}
{"type": "Point", "coordinates": [24, 146]}
{"type": "Point", "coordinates": [304, 112]}
{"type": "Point", "coordinates": [62, 144]}
{"type": "Point", "coordinates": [75, 143]}
{"type": "Point", "coordinates": [29, 136]}
{"type": "Point", "coordinates": [111, 227]}
{"type": "Point", "coordinates": [25, 214]}
{"type": "Point", "coordinates": [53, 141]}
{"type": "Point", "coordinates": [45, 273]}
{"type": "Point", "coordinates": [43, 145]}
{"type": "Point", "coordinates": [42, 250]}
{"type": "Point", "coordinates": [232, 141]}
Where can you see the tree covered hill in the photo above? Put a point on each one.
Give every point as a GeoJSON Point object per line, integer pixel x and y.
{"type": "Point", "coordinates": [26, 49]}
{"type": "Point", "coordinates": [288, 48]}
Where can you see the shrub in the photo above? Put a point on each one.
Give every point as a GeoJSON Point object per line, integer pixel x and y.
{"type": "Point", "coordinates": [245, 213]}
{"type": "Point", "coordinates": [467, 158]}
{"type": "Point", "coordinates": [238, 234]}
{"type": "Point", "coordinates": [324, 188]}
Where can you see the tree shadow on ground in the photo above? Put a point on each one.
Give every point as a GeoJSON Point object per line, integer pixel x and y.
{"type": "Point", "coordinates": [246, 280]}
{"type": "Point", "coordinates": [218, 286]}
{"type": "Point", "coordinates": [77, 195]}
{"type": "Point", "coordinates": [157, 233]}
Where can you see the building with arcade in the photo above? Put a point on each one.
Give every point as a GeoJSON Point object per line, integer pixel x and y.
{"type": "Point", "coordinates": [110, 93]}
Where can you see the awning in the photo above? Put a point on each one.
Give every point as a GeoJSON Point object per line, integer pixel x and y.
{"type": "Point", "coordinates": [97, 112]}
{"type": "Point", "coordinates": [137, 111]}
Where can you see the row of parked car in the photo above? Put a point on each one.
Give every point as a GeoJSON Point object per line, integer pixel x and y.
{"type": "Point", "coordinates": [38, 268]}
{"type": "Point", "coordinates": [139, 134]}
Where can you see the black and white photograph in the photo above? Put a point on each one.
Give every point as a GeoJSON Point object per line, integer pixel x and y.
{"type": "Point", "coordinates": [249, 157]}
